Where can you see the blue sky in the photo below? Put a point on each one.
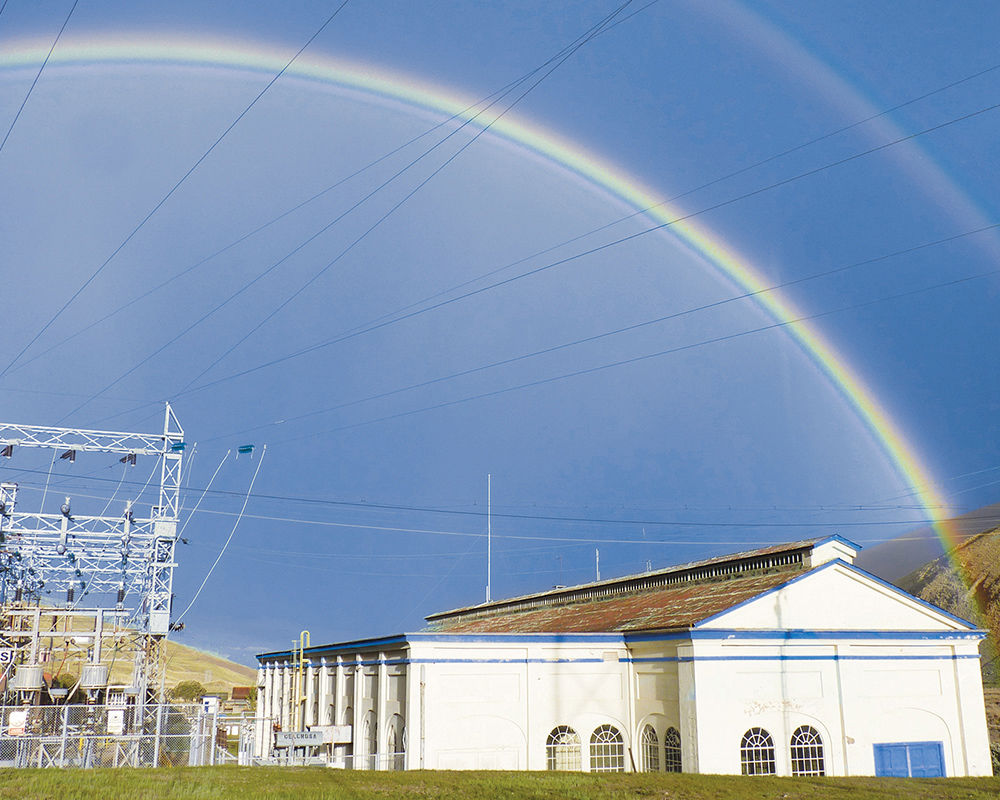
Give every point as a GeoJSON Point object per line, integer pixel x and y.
{"type": "Point", "coordinates": [359, 526]}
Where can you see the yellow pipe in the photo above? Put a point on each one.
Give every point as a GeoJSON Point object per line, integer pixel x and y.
{"type": "Point", "coordinates": [300, 697]}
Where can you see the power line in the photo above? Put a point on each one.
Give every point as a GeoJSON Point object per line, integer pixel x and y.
{"type": "Point", "coordinates": [458, 512]}
{"type": "Point", "coordinates": [269, 223]}
{"type": "Point", "coordinates": [591, 251]}
{"type": "Point", "coordinates": [173, 189]}
{"type": "Point", "coordinates": [567, 52]}
{"type": "Point", "coordinates": [614, 332]}
{"type": "Point", "coordinates": [232, 533]}
{"type": "Point", "coordinates": [38, 74]}
{"type": "Point", "coordinates": [646, 357]}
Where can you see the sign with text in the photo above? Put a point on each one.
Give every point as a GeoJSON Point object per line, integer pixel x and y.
{"type": "Point", "coordinates": [300, 738]}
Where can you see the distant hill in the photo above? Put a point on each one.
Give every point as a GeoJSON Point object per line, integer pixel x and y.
{"type": "Point", "coordinates": [898, 557]}
{"type": "Point", "coordinates": [183, 663]}
{"type": "Point", "coordinates": [939, 582]}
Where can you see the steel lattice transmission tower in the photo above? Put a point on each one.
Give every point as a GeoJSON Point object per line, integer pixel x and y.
{"type": "Point", "coordinates": [124, 560]}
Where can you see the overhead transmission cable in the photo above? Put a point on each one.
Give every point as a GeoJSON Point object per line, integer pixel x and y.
{"type": "Point", "coordinates": [170, 193]}
{"type": "Point", "coordinates": [640, 358]}
{"type": "Point", "coordinates": [593, 250]}
{"type": "Point", "coordinates": [537, 254]}
{"type": "Point", "coordinates": [229, 539]}
{"type": "Point", "coordinates": [565, 54]}
{"type": "Point", "coordinates": [203, 493]}
{"type": "Point", "coordinates": [574, 519]}
{"type": "Point", "coordinates": [269, 223]}
{"type": "Point", "coordinates": [559, 61]}
{"type": "Point", "coordinates": [609, 333]}
{"type": "Point", "coordinates": [38, 74]}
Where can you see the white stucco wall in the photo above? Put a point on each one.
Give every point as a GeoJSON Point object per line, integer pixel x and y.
{"type": "Point", "coordinates": [854, 659]}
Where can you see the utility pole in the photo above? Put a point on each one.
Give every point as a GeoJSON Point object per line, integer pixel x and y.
{"type": "Point", "coordinates": [489, 534]}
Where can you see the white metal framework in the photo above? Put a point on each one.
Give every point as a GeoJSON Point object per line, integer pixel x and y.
{"type": "Point", "coordinates": [757, 752]}
{"type": "Point", "coordinates": [123, 560]}
{"type": "Point", "coordinates": [807, 752]}
{"type": "Point", "coordinates": [607, 750]}
{"type": "Point", "coordinates": [672, 750]}
{"type": "Point", "coordinates": [650, 750]}
{"type": "Point", "coordinates": [562, 749]}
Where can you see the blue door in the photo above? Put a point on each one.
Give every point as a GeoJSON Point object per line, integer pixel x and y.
{"type": "Point", "coordinates": [910, 760]}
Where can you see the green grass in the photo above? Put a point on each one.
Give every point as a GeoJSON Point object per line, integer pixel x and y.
{"type": "Point", "coordinates": [276, 783]}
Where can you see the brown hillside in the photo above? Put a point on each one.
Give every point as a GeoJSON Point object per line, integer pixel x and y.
{"type": "Point", "coordinates": [182, 663]}
{"type": "Point", "coordinates": [941, 582]}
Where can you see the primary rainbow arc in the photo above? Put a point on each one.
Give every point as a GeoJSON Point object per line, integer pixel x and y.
{"type": "Point", "coordinates": [222, 54]}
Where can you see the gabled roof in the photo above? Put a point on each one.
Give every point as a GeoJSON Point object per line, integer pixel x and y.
{"type": "Point", "coordinates": [672, 597]}
{"type": "Point", "coordinates": [681, 605]}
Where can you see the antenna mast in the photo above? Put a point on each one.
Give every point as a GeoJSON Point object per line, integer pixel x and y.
{"type": "Point", "coordinates": [489, 533]}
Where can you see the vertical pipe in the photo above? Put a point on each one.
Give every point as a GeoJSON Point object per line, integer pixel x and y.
{"type": "Point", "coordinates": [156, 739]}
{"type": "Point", "coordinates": [62, 739]}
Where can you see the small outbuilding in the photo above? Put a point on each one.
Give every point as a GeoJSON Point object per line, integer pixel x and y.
{"type": "Point", "coordinates": [787, 660]}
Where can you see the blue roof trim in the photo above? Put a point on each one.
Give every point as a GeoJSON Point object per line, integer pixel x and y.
{"type": "Point", "coordinates": [405, 639]}
{"type": "Point", "coordinates": [778, 588]}
{"type": "Point", "coordinates": [708, 634]}
{"type": "Point", "coordinates": [832, 657]}
{"type": "Point", "coordinates": [836, 537]}
{"type": "Point", "coordinates": [799, 634]}
{"type": "Point", "coordinates": [914, 598]}
{"type": "Point", "coordinates": [834, 563]}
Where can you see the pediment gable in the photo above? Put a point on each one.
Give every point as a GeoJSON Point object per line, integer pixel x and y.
{"type": "Point", "coordinates": [836, 596]}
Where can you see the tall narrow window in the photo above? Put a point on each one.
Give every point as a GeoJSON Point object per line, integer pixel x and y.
{"type": "Point", "coordinates": [607, 750]}
{"type": "Point", "coordinates": [807, 752]}
{"type": "Point", "coordinates": [757, 752]}
{"type": "Point", "coordinates": [672, 750]}
{"type": "Point", "coordinates": [650, 750]}
{"type": "Point", "coordinates": [370, 736]}
{"type": "Point", "coordinates": [562, 749]}
{"type": "Point", "coordinates": [394, 744]}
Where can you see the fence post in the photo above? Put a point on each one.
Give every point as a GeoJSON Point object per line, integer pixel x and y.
{"type": "Point", "coordinates": [156, 738]}
{"type": "Point", "coordinates": [65, 733]}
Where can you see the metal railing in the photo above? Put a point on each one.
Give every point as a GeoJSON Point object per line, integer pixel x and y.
{"type": "Point", "coordinates": [108, 736]}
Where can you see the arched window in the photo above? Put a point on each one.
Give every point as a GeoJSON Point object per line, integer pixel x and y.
{"type": "Point", "coordinates": [672, 750]}
{"type": "Point", "coordinates": [607, 750]}
{"type": "Point", "coordinates": [807, 752]}
{"type": "Point", "coordinates": [650, 750]}
{"type": "Point", "coordinates": [562, 749]}
{"type": "Point", "coordinates": [348, 720]}
{"type": "Point", "coordinates": [395, 742]}
{"type": "Point", "coordinates": [757, 752]}
{"type": "Point", "coordinates": [370, 740]}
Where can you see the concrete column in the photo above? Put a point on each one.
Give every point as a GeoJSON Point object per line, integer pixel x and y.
{"type": "Point", "coordinates": [274, 706]}
{"type": "Point", "coordinates": [687, 704]}
{"type": "Point", "coordinates": [262, 725]}
{"type": "Point", "coordinates": [338, 693]}
{"type": "Point", "coordinates": [323, 692]}
{"type": "Point", "coordinates": [310, 693]}
{"type": "Point", "coordinates": [287, 690]}
{"type": "Point", "coordinates": [381, 723]}
{"type": "Point", "coordinates": [356, 742]}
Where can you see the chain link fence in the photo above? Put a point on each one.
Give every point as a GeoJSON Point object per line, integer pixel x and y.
{"type": "Point", "coordinates": [109, 736]}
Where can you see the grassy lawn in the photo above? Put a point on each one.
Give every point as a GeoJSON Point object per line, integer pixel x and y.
{"type": "Point", "coordinates": [274, 783]}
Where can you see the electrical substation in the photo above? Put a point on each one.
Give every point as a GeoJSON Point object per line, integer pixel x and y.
{"type": "Point", "coordinates": [89, 589]}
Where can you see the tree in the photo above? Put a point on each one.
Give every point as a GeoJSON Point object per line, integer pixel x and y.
{"type": "Point", "coordinates": [188, 690]}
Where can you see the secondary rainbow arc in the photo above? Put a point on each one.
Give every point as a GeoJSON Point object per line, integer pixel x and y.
{"type": "Point", "coordinates": [258, 57]}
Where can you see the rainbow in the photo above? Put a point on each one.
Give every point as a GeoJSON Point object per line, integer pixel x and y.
{"type": "Point", "coordinates": [133, 48]}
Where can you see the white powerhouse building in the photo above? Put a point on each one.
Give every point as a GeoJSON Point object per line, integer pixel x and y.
{"type": "Point", "coordinates": [785, 660]}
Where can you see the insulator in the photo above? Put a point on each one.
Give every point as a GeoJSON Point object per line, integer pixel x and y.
{"type": "Point", "coordinates": [121, 596]}
{"type": "Point", "coordinates": [69, 595]}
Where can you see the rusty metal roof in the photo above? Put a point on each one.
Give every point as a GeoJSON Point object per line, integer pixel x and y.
{"type": "Point", "coordinates": [788, 555]}
{"type": "Point", "coordinates": [678, 606]}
